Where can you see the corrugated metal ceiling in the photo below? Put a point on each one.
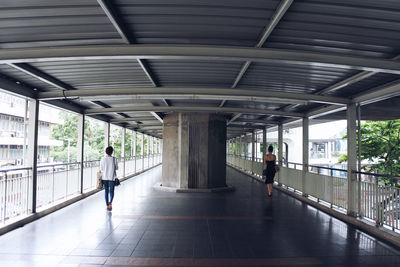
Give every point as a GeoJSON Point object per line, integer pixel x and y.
{"type": "Point", "coordinates": [362, 29]}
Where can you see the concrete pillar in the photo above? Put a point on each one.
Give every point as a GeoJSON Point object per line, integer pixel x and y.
{"type": "Point", "coordinates": [123, 150]}
{"type": "Point", "coordinates": [352, 194]}
{"type": "Point", "coordinates": [33, 126]}
{"type": "Point", "coordinates": [80, 146]}
{"type": "Point", "coordinates": [107, 134]}
{"type": "Point", "coordinates": [194, 150]}
{"type": "Point", "coordinates": [305, 154]}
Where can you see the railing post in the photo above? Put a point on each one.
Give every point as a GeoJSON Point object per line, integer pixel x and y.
{"type": "Point", "coordinates": [142, 151]}
{"type": "Point", "coordinates": [377, 206]}
{"type": "Point", "coordinates": [5, 198]}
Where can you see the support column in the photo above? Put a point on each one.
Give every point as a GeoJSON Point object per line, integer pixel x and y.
{"type": "Point", "coordinates": [352, 194]}
{"type": "Point", "coordinates": [358, 177]}
{"type": "Point", "coordinates": [305, 154]}
{"type": "Point", "coordinates": [123, 151]}
{"type": "Point", "coordinates": [252, 151]}
{"type": "Point", "coordinates": [142, 151]}
{"type": "Point", "coordinates": [33, 126]}
{"type": "Point", "coordinates": [106, 134]}
{"type": "Point", "coordinates": [134, 150]}
{"type": "Point", "coordinates": [148, 151]}
{"type": "Point", "coordinates": [152, 150]}
{"type": "Point", "coordinates": [280, 148]}
{"type": "Point", "coordinates": [264, 151]}
{"type": "Point", "coordinates": [80, 146]}
{"type": "Point", "coordinates": [195, 151]}
{"type": "Point", "coordinates": [280, 144]}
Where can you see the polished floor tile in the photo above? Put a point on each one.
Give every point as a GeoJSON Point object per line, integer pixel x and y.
{"type": "Point", "coordinates": [153, 228]}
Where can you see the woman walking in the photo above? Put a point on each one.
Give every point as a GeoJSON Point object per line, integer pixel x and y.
{"type": "Point", "coordinates": [270, 161]}
{"type": "Point", "coordinates": [109, 167]}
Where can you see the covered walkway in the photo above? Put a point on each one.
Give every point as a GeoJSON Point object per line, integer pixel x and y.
{"type": "Point", "coordinates": [154, 228]}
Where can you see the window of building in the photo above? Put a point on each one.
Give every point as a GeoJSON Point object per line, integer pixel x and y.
{"type": "Point", "coordinates": [4, 120]}
{"type": "Point", "coordinates": [3, 152]}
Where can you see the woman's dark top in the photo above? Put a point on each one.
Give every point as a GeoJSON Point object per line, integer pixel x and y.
{"type": "Point", "coordinates": [270, 171]}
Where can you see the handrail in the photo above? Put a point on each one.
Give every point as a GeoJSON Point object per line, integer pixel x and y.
{"type": "Point", "coordinates": [59, 164]}
{"type": "Point", "coordinates": [315, 166]}
{"type": "Point", "coordinates": [377, 174]}
{"type": "Point", "coordinates": [16, 169]}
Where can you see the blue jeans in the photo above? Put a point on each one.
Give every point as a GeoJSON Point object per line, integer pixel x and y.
{"type": "Point", "coordinates": [109, 190]}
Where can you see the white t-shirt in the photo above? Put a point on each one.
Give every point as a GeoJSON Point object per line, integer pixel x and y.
{"type": "Point", "coordinates": [109, 167]}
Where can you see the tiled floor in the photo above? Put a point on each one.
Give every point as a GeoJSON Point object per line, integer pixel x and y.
{"type": "Point", "coordinates": [152, 228]}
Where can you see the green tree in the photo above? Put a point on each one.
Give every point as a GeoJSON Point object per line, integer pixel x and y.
{"type": "Point", "coordinates": [68, 133]}
{"type": "Point", "coordinates": [380, 142]}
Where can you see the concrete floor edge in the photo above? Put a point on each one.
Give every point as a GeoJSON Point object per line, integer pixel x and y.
{"type": "Point", "coordinates": [380, 233]}
{"type": "Point", "coordinates": [35, 216]}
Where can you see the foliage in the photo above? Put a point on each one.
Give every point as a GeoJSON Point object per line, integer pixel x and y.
{"type": "Point", "coordinates": [68, 133]}
{"type": "Point", "coordinates": [94, 139]}
{"type": "Point", "coordinates": [380, 142]}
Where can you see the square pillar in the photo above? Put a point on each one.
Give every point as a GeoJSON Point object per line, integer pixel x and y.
{"type": "Point", "coordinates": [305, 154]}
{"type": "Point", "coordinates": [123, 150]}
{"type": "Point", "coordinates": [280, 149]}
{"type": "Point", "coordinates": [142, 151]}
{"type": "Point", "coordinates": [264, 151]}
{"type": "Point", "coordinates": [352, 188]}
{"type": "Point", "coordinates": [133, 147]}
{"type": "Point", "coordinates": [80, 146]}
{"type": "Point", "coordinates": [253, 150]}
{"type": "Point", "coordinates": [33, 129]}
{"type": "Point", "coordinates": [107, 134]}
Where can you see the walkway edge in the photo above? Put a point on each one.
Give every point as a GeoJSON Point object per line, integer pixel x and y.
{"type": "Point", "coordinates": [35, 216]}
{"type": "Point", "coordinates": [378, 232]}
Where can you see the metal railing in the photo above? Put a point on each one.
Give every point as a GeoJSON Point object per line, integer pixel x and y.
{"type": "Point", "coordinates": [15, 192]}
{"type": "Point", "coordinates": [377, 202]}
{"type": "Point", "coordinates": [57, 183]}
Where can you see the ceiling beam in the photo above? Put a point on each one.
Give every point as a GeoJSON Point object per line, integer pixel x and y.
{"type": "Point", "coordinates": [110, 11]}
{"type": "Point", "coordinates": [114, 16]}
{"type": "Point", "coordinates": [281, 10]}
{"type": "Point", "coordinates": [193, 93]}
{"type": "Point", "coordinates": [266, 122]}
{"type": "Point", "coordinates": [134, 119]}
{"type": "Point", "coordinates": [379, 93]}
{"type": "Point", "coordinates": [188, 52]}
{"type": "Point", "coordinates": [329, 109]}
{"type": "Point", "coordinates": [192, 109]}
{"type": "Point", "coordinates": [157, 116]}
{"type": "Point", "coordinates": [234, 118]}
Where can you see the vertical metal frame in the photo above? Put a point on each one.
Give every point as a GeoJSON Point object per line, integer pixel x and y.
{"type": "Point", "coordinates": [123, 150]}
{"type": "Point", "coordinates": [351, 159]}
{"type": "Point", "coordinates": [33, 126]}
{"type": "Point", "coordinates": [81, 145]}
{"type": "Point", "coordinates": [305, 127]}
{"type": "Point", "coordinates": [134, 141]}
{"type": "Point", "coordinates": [142, 151]}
